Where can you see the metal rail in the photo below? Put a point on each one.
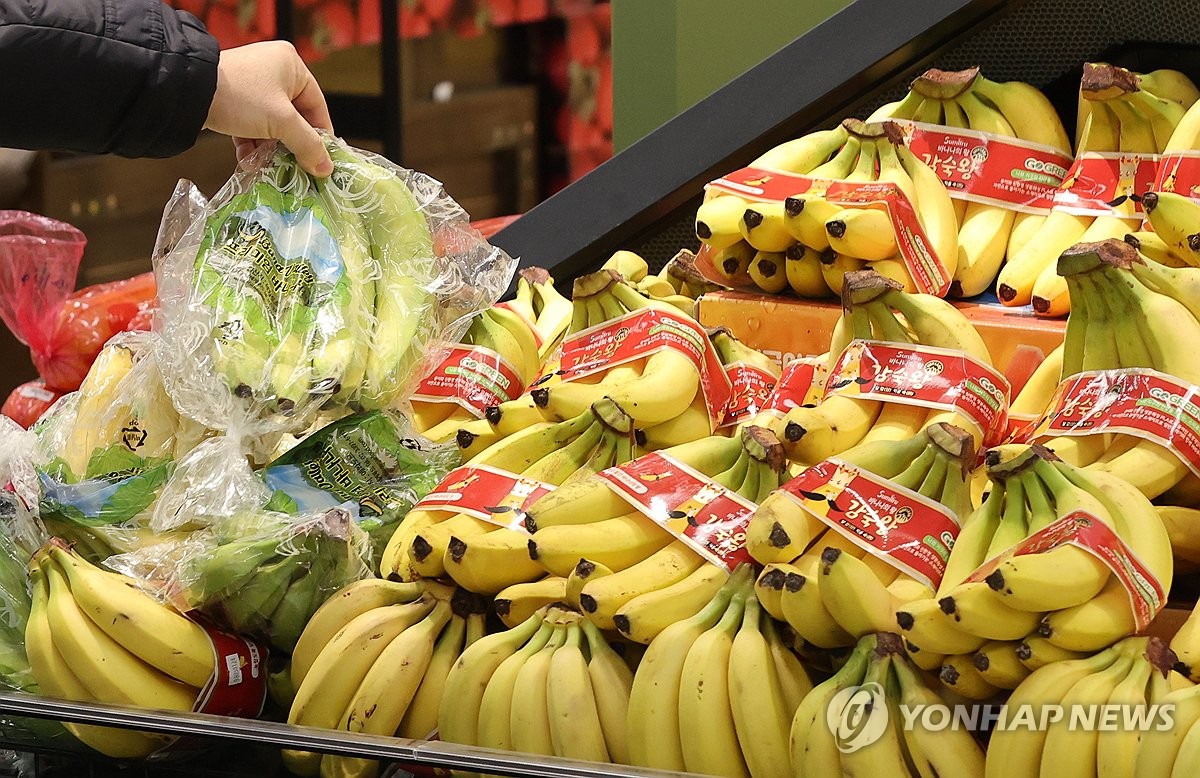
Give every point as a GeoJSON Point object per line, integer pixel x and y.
{"type": "Point", "coordinates": [412, 752]}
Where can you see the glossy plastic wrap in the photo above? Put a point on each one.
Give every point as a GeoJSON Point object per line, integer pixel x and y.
{"type": "Point", "coordinates": [289, 294]}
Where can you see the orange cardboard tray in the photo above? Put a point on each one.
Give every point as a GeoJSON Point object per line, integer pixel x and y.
{"type": "Point", "coordinates": [786, 327]}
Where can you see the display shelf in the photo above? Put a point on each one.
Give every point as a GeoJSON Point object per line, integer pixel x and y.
{"type": "Point", "coordinates": [409, 754]}
{"type": "Point", "coordinates": [644, 198]}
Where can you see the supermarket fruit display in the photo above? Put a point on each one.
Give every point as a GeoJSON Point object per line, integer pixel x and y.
{"type": "Point", "coordinates": [806, 212]}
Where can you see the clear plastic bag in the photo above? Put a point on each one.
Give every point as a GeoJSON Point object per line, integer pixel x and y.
{"type": "Point", "coordinates": [105, 452]}
{"type": "Point", "coordinates": [371, 462]}
{"type": "Point", "coordinates": [264, 574]}
{"type": "Point", "coordinates": [291, 293]}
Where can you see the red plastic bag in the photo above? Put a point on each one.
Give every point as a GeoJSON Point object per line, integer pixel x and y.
{"type": "Point", "coordinates": [28, 402]}
{"type": "Point", "coordinates": [86, 321]}
{"type": "Point", "coordinates": [39, 259]}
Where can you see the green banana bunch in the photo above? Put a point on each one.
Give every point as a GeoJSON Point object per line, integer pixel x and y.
{"type": "Point", "coordinates": [269, 581]}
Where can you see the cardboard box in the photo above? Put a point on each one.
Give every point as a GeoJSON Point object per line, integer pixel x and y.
{"type": "Point", "coordinates": [785, 328]}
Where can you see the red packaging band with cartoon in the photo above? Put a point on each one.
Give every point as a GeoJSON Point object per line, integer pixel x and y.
{"type": "Point", "coordinates": [472, 377]}
{"type": "Point", "coordinates": [1179, 172]}
{"type": "Point", "coordinates": [705, 515]}
{"type": "Point", "coordinates": [1086, 531]}
{"type": "Point", "coordinates": [991, 169]}
{"type": "Point", "coordinates": [1098, 181]}
{"type": "Point", "coordinates": [802, 383]}
{"type": "Point", "coordinates": [929, 377]}
{"type": "Point", "coordinates": [486, 493]}
{"type": "Point", "coordinates": [1139, 402]}
{"type": "Point", "coordinates": [909, 531]}
{"type": "Point", "coordinates": [750, 389]}
{"type": "Point", "coordinates": [759, 184]}
{"type": "Point", "coordinates": [639, 335]}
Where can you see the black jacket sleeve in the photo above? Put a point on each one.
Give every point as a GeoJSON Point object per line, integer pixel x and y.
{"type": "Point", "coordinates": [130, 77]}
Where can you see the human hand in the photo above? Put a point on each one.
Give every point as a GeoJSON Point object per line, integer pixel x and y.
{"type": "Point", "coordinates": [265, 92]}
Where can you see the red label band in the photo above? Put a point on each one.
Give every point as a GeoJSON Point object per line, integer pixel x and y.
{"type": "Point", "coordinates": [926, 269]}
{"type": "Point", "coordinates": [991, 169]}
{"type": "Point", "coordinates": [237, 687]}
{"type": "Point", "coordinates": [1096, 179]}
{"type": "Point", "coordinates": [473, 377]}
{"type": "Point", "coordinates": [910, 532]}
{"type": "Point", "coordinates": [750, 388]}
{"type": "Point", "coordinates": [1139, 402]}
{"type": "Point", "coordinates": [928, 377]}
{"type": "Point", "coordinates": [802, 383]}
{"type": "Point", "coordinates": [706, 516]}
{"type": "Point", "coordinates": [1179, 172]}
{"type": "Point", "coordinates": [486, 493]}
{"type": "Point", "coordinates": [1086, 531]}
{"type": "Point", "coordinates": [639, 335]}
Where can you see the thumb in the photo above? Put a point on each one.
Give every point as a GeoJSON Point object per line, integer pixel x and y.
{"type": "Point", "coordinates": [306, 143]}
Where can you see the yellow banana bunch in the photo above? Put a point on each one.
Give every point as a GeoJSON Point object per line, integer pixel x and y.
{"type": "Point", "coordinates": [876, 309]}
{"type": "Point", "coordinates": [551, 685]}
{"type": "Point", "coordinates": [652, 577]}
{"type": "Point", "coordinates": [1118, 113]}
{"type": "Point", "coordinates": [1134, 677]}
{"type": "Point", "coordinates": [499, 329]}
{"type": "Point", "coordinates": [95, 636]}
{"type": "Point", "coordinates": [485, 555]}
{"type": "Point", "coordinates": [1124, 302]}
{"type": "Point", "coordinates": [1063, 594]}
{"type": "Point", "coordinates": [834, 713]}
{"type": "Point", "coordinates": [375, 659]}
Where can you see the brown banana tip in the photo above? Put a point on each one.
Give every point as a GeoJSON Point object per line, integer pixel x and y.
{"type": "Point", "coordinates": [730, 266]}
{"type": "Point", "coordinates": [493, 414]}
{"type": "Point", "coordinates": [946, 605]}
{"type": "Point", "coordinates": [995, 581]}
{"type": "Point", "coordinates": [888, 644]}
{"type": "Point", "coordinates": [779, 537]}
{"type": "Point", "coordinates": [1006, 292]}
{"type": "Point", "coordinates": [588, 603]}
{"type": "Point", "coordinates": [793, 206]}
{"type": "Point", "coordinates": [621, 622]}
{"type": "Point", "coordinates": [463, 603]}
{"type": "Point", "coordinates": [836, 228]}
{"type": "Point", "coordinates": [243, 391]}
{"type": "Point", "coordinates": [541, 397]}
{"type": "Point", "coordinates": [464, 438]}
{"type": "Point", "coordinates": [703, 231]}
{"type": "Point", "coordinates": [585, 568]}
{"type": "Point", "coordinates": [794, 582]}
{"type": "Point", "coordinates": [1024, 652]}
{"type": "Point", "coordinates": [1149, 201]}
{"type": "Point", "coordinates": [752, 218]}
{"type": "Point", "coordinates": [1041, 304]}
{"type": "Point", "coordinates": [530, 524]}
{"type": "Point", "coordinates": [533, 552]}
{"type": "Point", "coordinates": [905, 620]}
{"type": "Point", "coordinates": [639, 437]}
{"type": "Point", "coordinates": [768, 267]}
{"type": "Point", "coordinates": [536, 275]}
{"type": "Point", "coordinates": [503, 607]}
{"type": "Point", "coordinates": [421, 548]}
{"type": "Point", "coordinates": [794, 251]}
{"type": "Point", "coordinates": [1193, 242]}
{"type": "Point", "coordinates": [772, 579]}
{"type": "Point", "coordinates": [1043, 629]}
{"type": "Point", "coordinates": [828, 257]}
{"type": "Point", "coordinates": [949, 675]}
{"type": "Point", "coordinates": [830, 555]}
{"type": "Point", "coordinates": [792, 432]}
{"type": "Point", "coordinates": [286, 406]}
{"type": "Point", "coordinates": [1161, 657]}
{"type": "Point", "coordinates": [457, 549]}
{"type": "Point", "coordinates": [981, 662]}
